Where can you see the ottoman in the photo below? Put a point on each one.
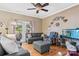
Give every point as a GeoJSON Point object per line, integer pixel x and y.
{"type": "Point", "coordinates": [41, 46]}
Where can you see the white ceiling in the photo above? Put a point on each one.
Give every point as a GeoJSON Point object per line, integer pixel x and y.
{"type": "Point", "coordinates": [21, 8]}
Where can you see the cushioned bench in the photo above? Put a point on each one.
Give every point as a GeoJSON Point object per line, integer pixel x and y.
{"type": "Point", "coordinates": [41, 46]}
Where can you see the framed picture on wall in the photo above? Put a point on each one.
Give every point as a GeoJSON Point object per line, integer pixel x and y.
{"type": "Point", "coordinates": [57, 24]}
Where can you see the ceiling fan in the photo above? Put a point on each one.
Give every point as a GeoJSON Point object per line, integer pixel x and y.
{"type": "Point", "coordinates": [38, 7]}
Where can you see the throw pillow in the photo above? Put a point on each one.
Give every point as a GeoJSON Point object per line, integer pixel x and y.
{"type": "Point", "coordinates": [9, 45]}
{"type": "Point", "coordinates": [29, 36]}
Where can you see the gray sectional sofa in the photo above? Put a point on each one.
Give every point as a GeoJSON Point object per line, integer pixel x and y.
{"type": "Point", "coordinates": [34, 37]}
{"type": "Point", "coordinates": [5, 43]}
{"type": "Point", "coordinates": [21, 52]}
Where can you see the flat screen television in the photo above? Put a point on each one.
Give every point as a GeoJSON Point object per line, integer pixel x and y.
{"type": "Point", "coordinates": [71, 33]}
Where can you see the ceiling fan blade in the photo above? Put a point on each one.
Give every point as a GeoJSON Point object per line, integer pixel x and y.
{"type": "Point", "coordinates": [38, 4]}
{"type": "Point", "coordinates": [44, 10]}
{"type": "Point", "coordinates": [31, 8]}
{"type": "Point", "coordinates": [46, 4]}
{"type": "Point", "coordinates": [34, 4]}
{"type": "Point", "coordinates": [37, 11]}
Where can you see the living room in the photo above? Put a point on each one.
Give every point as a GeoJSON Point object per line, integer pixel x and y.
{"type": "Point", "coordinates": [39, 32]}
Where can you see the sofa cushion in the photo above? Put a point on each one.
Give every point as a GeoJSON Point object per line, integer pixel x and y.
{"type": "Point", "coordinates": [36, 38]}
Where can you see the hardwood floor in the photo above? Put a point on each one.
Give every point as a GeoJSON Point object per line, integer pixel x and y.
{"type": "Point", "coordinates": [53, 50]}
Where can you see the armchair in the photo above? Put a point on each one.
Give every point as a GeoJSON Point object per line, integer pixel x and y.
{"type": "Point", "coordinates": [53, 36]}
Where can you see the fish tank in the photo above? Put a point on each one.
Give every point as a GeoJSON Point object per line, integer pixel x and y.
{"type": "Point", "coordinates": [71, 33]}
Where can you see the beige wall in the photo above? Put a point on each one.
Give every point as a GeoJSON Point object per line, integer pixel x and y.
{"type": "Point", "coordinates": [7, 18]}
{"type": "Point", "coordinates": [71, 14]}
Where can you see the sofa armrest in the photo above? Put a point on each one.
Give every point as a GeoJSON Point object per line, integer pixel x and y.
{"type": "Point", "coordinates": [21, 52]}
{"type": "Point", "coordinates": [31, 40]}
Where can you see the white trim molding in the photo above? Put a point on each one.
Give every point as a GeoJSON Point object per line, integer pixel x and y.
{"type": "Point", "coordinates": [61, 10]}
